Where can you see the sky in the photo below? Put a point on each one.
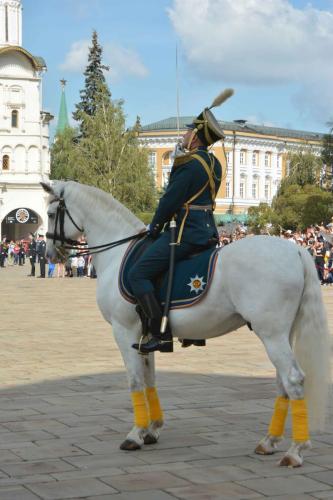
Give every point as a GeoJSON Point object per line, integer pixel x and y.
{"type": "Point", "coordinates": [276, 55]}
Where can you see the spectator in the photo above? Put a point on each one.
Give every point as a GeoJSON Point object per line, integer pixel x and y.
{"type": "Point", "coordinates": [32, 254]}
{"type": "Point", "coordinates": [80, 266]}
{"type": "Point", "coordinates": [51, 266]}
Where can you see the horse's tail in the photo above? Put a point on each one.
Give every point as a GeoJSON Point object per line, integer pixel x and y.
{"type": "Point", "coordinates": [312, 345]}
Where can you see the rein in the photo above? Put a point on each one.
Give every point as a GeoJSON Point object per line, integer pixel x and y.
{"type": "Point", "coordinates": [74, 244]}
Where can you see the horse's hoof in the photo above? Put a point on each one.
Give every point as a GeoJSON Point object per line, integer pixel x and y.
{"type": "Point", "coordinates": [129, 445]}
{"type": "Point", "coordinates": [291, 461]}
{"type": "Point", "coordinates": [261, 450]}
{"type": "Point", "coordinates": [150, 439]}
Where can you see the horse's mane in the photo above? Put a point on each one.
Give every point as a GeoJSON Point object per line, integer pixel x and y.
{"type": "Point", "coordinates": [95, 198]}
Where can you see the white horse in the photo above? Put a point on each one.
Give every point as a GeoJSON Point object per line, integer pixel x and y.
{"type": "Point", "coordinates": [266, 282]}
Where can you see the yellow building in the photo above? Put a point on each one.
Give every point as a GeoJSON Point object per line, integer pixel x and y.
{"type": "Point", "coordinates": [254, 164]}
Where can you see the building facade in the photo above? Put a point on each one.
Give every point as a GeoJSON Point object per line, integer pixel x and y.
{"type": "Point", "coordinates": [24, 131]}
{"type": "Point", "coordinates": [254, 159]}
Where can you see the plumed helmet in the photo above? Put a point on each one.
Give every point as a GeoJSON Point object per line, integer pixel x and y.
{"type": "Point", "coordinates": [206, 125]}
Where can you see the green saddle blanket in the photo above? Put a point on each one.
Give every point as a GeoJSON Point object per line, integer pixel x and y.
{"type": "Point", "coordinates": [191, 281]}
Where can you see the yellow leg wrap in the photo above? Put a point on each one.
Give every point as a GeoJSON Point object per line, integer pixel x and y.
{"type": "Point", "coordinates": [299, 420]}
{"type": "Point", "coordinates": [276, 427]}
{"type": "Point", "coordinates": [141, 414]}
{"type": "Point", "coordinates": [155, 409]}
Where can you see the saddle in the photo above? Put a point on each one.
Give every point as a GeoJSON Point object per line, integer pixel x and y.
{"type": "Point", "coordinates": [191, 281]}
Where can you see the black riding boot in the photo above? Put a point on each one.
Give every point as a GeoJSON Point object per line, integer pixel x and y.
{"type": "Point", "coordinates": [152, 310]}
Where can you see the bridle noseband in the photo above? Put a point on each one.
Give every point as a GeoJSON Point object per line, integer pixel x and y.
{"type": "Point", "coordinates": [60, 217]}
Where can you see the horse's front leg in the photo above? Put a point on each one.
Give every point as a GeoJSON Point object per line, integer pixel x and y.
{"type": "Point", "coordinates": [155, 410]}
{"type": "Point", "coordinates": [134, 364]}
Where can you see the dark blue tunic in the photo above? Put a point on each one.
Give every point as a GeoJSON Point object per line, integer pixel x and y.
{"type": "Point", "coordinates": [187, 178]}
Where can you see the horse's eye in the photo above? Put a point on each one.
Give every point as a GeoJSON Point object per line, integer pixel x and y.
{"type": "Point", "coordinates": [51, 216]}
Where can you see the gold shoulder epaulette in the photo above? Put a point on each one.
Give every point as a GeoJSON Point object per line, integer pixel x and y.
{"type": "Point", "coordinates": [183, 159]}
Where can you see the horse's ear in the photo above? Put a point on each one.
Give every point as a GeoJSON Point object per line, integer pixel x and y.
{"type": "Point", "coordinates": [47, 187]}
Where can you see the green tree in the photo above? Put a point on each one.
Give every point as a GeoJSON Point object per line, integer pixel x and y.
{"type": "Point", "coordinates": [96, 89]}
{"type": "Point", "coordinates": [327, 158]}
{"type": "Point", "coordinates": [301, 206]}
{"type": "Point", "coordinates": [262, 219]}
{"type": "Point", "coordinates": [64, 155]}
{"type": "Point", "coordinates": [304, 168]}
{"type": "Point", "coordinates": [112, 159]}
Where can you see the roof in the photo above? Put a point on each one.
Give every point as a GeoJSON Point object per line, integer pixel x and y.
{"type": "Point", "coordinates": [63, 121]}
{"type": "Point", "coordinates": [37, 62]}
{"type": "Point", "coordinates": [170, 124]}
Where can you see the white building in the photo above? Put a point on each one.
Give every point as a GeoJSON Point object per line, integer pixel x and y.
{"type": "Point", "coordinates": [24, 131]}
{"type": "Point", "coordinates": [254, 164]}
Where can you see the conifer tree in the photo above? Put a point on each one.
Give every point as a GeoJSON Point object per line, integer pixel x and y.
{"type": "Point", "coordinates": [327, 157]}
{"type": "Point", "coordinates": [96, 89]}
{"type": "Point", "coordinates": [65, 155]}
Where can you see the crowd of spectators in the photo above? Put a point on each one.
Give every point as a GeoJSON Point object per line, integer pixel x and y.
{"type": "Point", "coordinates": [32, 250]}
{"type": "Point", "coordinates": [318, 240]}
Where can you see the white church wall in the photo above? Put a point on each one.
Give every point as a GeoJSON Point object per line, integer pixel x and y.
{"type": "Point", "coordinates": [20, 158]}
{"type": "Point", "coordinates": [25, 140]}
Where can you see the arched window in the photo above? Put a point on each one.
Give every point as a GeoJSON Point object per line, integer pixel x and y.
{"type": "Point", "coordinates": [5, 162]}
{"type": "Point", "coordinates": [166, 159]}
{"type": "Point", "coordinates": [14, 118]}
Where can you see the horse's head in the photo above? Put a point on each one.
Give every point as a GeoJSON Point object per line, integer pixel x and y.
{"type": "Point", "coordinates": [64, 220]}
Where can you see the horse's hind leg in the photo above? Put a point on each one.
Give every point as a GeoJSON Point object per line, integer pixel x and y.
{"type": "Point", "coordinates": [155, 410]}
{"type": "Point", "coordinates": [292, 379]}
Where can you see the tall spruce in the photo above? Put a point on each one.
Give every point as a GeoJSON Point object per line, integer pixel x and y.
{"type": "Point", "coordinates": [327, 157]}
{"type": "Point", "coordinates": [96, 89]}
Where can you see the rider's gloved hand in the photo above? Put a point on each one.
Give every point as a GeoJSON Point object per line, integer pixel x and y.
{"type": "Point", "coordinates": [154, 231]}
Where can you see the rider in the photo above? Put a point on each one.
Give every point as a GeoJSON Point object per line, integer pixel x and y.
{"type": "Point", "coordinates": [190, 199]}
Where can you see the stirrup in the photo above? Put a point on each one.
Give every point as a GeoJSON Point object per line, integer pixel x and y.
{"type": "Point", "coordinates": [161, 345]}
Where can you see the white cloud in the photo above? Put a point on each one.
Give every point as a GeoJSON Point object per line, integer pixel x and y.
{"type": "Point", "coordinates": [77, 57]}
{"type": "Point", "coordinates": [123, 62]}
{"type": "Point", "coordinates": [257, 42]}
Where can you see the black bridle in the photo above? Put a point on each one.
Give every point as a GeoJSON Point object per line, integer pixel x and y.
{"type": "Point", "coordinates": [62, 210]}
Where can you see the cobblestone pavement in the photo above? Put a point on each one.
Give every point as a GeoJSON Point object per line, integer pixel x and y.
{"type": "Point", "coordinates": [65, 408]}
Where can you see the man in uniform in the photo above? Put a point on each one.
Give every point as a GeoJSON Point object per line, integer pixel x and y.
{"type": "Point", "coordinates": [32, 253]}
{"type": "Point", "coordinates": [189, 199]}
{"type": "Point", "coordinates": [41, 252]}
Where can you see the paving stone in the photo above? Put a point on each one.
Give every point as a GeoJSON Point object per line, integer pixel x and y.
{"type": "Point", "coordinates": [66, 408]}
{"type": "Point", "coordinates": [284, 485]}
{"type": "Point", "coordinates": [71, 489]}
{"type": "Point", "coordinates": [18, 493]}
{"type": "Point", "coordinates": [214, 474]}
{"type": "Point", "coordinates": [221, 491]}
{"type": "Point", "coordinates": [28, 468]}
{"type": "Point", "coordinates": [144, 481]}
{"type": "Point", "coordinates": [323, 476]}
{"type": "Point", "coordinates": [138, 495]}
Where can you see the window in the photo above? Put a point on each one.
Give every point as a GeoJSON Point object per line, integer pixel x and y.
{"type": "Point", "coordinates": [255, 188]}
{"type": "Point", "coordinates": [229, 156]}
{"type": "Point", "coordinates": [267, 189]}
{"type": "Point", "coordinates": [242, 157]}
{"type": "Point", "coordinates": [152, 159]}
{"type": "Point", "coordinates": [267, 159]}
{"type": "Point", "coordinates": [5, 162]}
{"type": "Point", "coordinates": [6, 23]}
{"type": "Point", "coordinates": [278, 161]}
{"type": "Point", "coordinates": [255, 156]}
{"type": "Point", "coordinates": [241, 189]}
{"type": "Point", "coordinates": [227, 190]}
{"type": "Point", "coordinates": [165, 177]}
{"type": "Point", "coordinates": [167, 158]}
{"type": "Point", "coordinates": [15, 118]}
